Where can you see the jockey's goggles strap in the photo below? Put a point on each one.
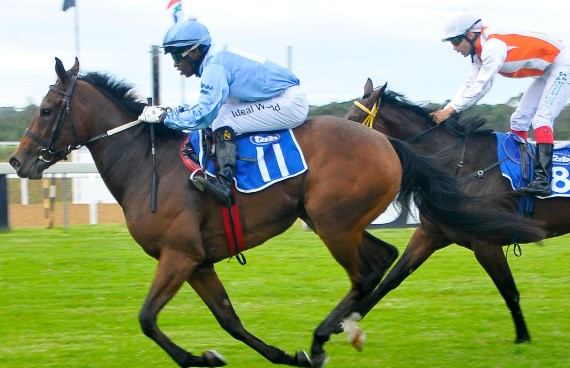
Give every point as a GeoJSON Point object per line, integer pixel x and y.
{"type": "Point", "coordinates": [369, 121]}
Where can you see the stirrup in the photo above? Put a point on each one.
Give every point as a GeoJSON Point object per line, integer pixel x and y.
{"type": "Point", "coordinates": [194, 179]}
{"type": "Point", "coordinates": [216, 187]}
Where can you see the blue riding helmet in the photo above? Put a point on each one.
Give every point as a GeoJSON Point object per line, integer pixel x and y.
{"type": "Point", "coordinates": [186, 33]}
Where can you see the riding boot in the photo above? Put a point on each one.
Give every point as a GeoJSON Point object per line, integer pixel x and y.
{"type": "Point", "coordinates": [541, 184]}
{"type": "Point", "coordinates": [226, 151]}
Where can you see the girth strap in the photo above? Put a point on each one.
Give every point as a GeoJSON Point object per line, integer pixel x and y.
{"type": "Point", "coordinates": [234, 233]}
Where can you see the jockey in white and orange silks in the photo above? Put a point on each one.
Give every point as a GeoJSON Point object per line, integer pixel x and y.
{"type": "Point", "coordinates": [515, 55]}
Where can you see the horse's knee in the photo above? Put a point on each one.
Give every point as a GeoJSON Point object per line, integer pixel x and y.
{"type": "Point", "coordinates": [232, 326]}
{"type": "Point", "coordinates": [147, 322]}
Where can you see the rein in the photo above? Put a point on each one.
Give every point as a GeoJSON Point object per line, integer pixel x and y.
{"type": "Point", "coordinates": [479, 174]}
{"type": "Point", "coordinates": [369, 120]}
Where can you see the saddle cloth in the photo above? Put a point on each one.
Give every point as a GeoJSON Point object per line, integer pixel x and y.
{"type": "Point", "coordinates": [509, 156]}
{"type": "Point", "coordinates": [264, 158]}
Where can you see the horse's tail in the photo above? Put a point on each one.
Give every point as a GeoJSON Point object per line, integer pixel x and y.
{"type": "Point", "coordinates": [439, 199]}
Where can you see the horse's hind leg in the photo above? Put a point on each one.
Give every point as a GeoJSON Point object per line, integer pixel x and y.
{"type": "Point", "coordinates": [491, 257]}
{"type": "Point", "coordinates": [208, 286]}
{"type": "Point", "coordinates": [420, 247]}
{"type": "Point", "coordinates": [376, 258]}
{"type": "Point", "coordinates": [173, 270]}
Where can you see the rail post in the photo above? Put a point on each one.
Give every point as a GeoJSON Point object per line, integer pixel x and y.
{"type": "Point", "coordinates": [4, 223]}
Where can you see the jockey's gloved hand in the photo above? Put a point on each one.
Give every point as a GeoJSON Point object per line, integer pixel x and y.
{"type": "Point", "coordinates": [168, 108]}
{"type": "Point", "coordinates": [153, 114]}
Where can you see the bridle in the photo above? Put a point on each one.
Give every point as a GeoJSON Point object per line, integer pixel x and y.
{"type": "Point", "coordinates": [49, 154]}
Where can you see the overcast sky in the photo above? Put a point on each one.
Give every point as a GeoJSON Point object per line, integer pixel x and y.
{"type": "Point", "coordinates": [335, 44]}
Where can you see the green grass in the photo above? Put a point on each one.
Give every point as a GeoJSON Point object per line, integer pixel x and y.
{"type": "Point", "coordinates": [71, 299]}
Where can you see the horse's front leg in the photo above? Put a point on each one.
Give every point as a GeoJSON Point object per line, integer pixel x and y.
{"type": "Point", "coordinates": [173, 269]}
{"type": "Point", "coordinates": [208, 286]}
{"type": "Point", "coordinates": [491, 257]}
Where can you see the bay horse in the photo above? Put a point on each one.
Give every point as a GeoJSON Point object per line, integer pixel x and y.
{"type": "Point", "coordinates": [470, 154]}
{"type": "Point", "coordinates": [353, 175]}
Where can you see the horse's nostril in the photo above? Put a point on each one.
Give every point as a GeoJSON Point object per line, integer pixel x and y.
{"type": "Point", "coordinates": [15, 163]}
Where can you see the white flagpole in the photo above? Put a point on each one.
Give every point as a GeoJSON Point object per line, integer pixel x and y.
{"type": "Point", "coordinates": [76, 30]}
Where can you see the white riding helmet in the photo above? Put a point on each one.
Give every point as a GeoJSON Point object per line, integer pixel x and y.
{"type": "Point", "coordinates": [460, 24]}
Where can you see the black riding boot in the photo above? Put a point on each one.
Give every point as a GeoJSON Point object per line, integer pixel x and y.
{"type": "Point", "coordinates": [541, 184]}
{"type": "Point", "coordinates": [226, 151]}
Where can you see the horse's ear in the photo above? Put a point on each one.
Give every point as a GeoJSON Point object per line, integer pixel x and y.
{"type": "Point", "coordinates": [74, 69]}
{"type": "Point", "coordinates": [368, 87]}
{"type": "Point", "coordinates": [60, 71]}
{"type": "Point", "coordinates": [377, 95]}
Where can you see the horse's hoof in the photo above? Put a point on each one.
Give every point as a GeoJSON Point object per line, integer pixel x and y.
{"type": "Point", "coordinates": [214, 359]}
{"type": "Point", "coordinates": [319, 361]}
{"type": "Point", "coordinates": [522, 340]}
{"type": "Point", "coordinates": [303, 359]}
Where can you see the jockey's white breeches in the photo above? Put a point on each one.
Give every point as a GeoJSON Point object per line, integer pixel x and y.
{"type": "Point", "coordinates": [545, 98]}
{"type": "Point", "coordinates": [288, 110]}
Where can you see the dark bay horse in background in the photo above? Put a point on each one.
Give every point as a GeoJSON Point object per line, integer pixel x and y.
{"type": "Point", "coordinates": [337, 197]}
{"type": "Point", "coordinates": [470, 155]}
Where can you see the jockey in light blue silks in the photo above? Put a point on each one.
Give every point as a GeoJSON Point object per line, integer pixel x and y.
{"type": "Point", "coordinates": [239, 93]}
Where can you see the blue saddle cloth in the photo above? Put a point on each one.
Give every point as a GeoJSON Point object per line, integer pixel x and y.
{"type": "Point", "coordinates": [264, 158]}
{"type": "Point", "coordinates": [510, 158]}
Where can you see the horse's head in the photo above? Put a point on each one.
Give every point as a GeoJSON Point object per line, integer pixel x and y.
{"type": "Point", "coordinates": [44, 142]}
{"type": "Point", "coordinates": [364, 110]}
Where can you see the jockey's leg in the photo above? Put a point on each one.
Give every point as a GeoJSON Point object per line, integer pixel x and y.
{"type": "Point", "coordinates": [225, 151]}
{"type": "Point", "coordinates": [540, 186]}
{"type": "Point", "coordinates": [542, 103]}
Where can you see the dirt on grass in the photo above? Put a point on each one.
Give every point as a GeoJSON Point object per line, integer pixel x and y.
{"type": "Point", "coordinates": [34, 215]}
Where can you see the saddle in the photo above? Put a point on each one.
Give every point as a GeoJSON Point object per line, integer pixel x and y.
{"type": "Point", "coordinates": [263, 158]}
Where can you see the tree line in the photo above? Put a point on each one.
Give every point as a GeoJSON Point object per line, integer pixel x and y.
{"type": "Point", "coordinates": [13, 122]}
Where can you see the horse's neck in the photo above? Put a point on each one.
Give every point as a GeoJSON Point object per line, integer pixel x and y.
{"type": "Point", "coordinates": [124, 159]}
{"type": "Point", "coordinates": [408, 125]}
{"type": "Point", "coordinates": [402, 124]}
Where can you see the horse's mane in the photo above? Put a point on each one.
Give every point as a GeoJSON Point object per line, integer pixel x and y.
{"type": "Point", "coordinates": [124, 94]}
{"type": "Point", "coordinates": [119, 90]}
{"type": "Point", "coordinates": [463, 126]}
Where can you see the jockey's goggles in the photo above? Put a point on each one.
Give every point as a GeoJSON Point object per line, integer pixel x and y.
{"type": "Point", "coordinates": [178, 58]}
{"type": "Point", "coordinates": [455, 41]}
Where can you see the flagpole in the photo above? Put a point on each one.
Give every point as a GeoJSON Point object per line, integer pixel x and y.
{"type": "Point", "coordinates": [76, 30]}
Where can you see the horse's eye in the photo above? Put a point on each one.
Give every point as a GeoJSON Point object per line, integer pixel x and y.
{"type": "Point", "coordinates": [45, 112]}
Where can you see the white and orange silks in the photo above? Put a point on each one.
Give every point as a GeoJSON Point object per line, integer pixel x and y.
{"type": "Point", "coordinates": [519, 55]}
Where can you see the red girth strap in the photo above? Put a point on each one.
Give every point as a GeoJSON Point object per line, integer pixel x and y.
{"type": "Point", "coordinates": [234, 232]}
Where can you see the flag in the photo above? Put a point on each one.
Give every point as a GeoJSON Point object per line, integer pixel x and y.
{"type": "Point", "coordinates": [68, 4]}
{"type": "Point", "coordinates": [176, 6]}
